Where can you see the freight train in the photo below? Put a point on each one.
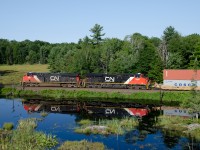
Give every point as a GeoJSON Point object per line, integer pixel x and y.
{"type": "Point", "coordinates": [172, 80]}
{"type": "Point", "coordinates": [132, 81]}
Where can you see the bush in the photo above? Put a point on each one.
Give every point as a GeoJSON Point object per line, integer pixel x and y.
{"type": "Point", "coordinates": [25, 137]}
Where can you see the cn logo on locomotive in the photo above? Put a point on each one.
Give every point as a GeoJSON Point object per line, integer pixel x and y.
{"type": "Point", "coordinates": [54, 78]}
{"type": "Point", "coordinates": [109, 111]}
{"type": "Point", "coordinates": [109, 79]}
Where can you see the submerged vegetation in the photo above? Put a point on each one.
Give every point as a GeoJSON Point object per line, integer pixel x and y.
{"type": "Point", "coordinates": [25, 137]}
{"type": "Point", "coordinates": [106, 127]}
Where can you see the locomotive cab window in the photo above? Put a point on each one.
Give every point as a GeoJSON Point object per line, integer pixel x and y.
{"type": "Point", "coordinates": [138, 75]}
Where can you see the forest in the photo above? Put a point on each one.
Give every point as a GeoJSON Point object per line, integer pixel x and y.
{"type": "Point", "coordinates": [97, 54]}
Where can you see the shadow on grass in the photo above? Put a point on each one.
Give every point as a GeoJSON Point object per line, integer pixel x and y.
{"type": "Point", "coordinates": [6, 72]}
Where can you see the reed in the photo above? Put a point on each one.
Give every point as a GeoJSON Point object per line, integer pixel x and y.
{"type": "Point", "coordinates": [25, 137]}
{"type": "Point", "coordinates": [43, 113]}
{"type": "Point", "coordinates": [180, 125]}
{"type": "Point", "coordinates": [105, 126]}
{"type": "Point", "coordinates": [81, 145]}
{"type": "Point", "coordinates": [8, 126]}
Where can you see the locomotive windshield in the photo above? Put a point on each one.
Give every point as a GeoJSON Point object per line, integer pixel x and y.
{"type": "Point", "coordinates": [138, 75]}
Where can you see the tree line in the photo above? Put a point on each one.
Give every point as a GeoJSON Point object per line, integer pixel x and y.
{"type": "Point", "coordinates": [96, 54]}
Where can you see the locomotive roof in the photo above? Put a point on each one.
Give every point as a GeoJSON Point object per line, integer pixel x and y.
{"type": "Point", "coordinates": [55, 74]}
{"type": "Point", "coordinates": [103, 75]}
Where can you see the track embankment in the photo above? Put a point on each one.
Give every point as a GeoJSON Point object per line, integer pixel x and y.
{"type": "Point", "coordinates": [122, 91]}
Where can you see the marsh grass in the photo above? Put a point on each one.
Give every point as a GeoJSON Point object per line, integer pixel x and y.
{"type": "Point", "coordinates": [8, 126]}
{"type": "Point", "coordinates": [195, 133]}
{"type": "Point", "coordinates": [85, 122]}
{"type": "Point", "coordinates": [105, 126]}
{"type": "Point", "coordinates": [25, 137]}
{"type": "Point", "coordinates": [81, 145]}
{"type": "Point", "coordinates": [43, 114]}
{"type": "Point", "coordinates": [179, 125]}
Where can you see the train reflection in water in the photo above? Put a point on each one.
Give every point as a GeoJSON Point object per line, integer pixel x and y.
{"type": "Point", "coordinates": [104, 109]}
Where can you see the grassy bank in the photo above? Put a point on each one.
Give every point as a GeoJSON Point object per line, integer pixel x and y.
{"type": "Point", "coordinates": [169, 98]}
{"type": "Point", "coordinates": [12, 74]}
{"type": "Point", "coordinates": [187, 127]}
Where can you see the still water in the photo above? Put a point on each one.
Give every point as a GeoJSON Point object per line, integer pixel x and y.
{"type": "Point", "coordinates": [61, 121]}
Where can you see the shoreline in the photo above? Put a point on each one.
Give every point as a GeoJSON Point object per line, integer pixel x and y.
{"type": "Point", "coordinates": [165, 98]}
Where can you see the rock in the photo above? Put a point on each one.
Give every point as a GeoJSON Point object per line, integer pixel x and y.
{"type": "Point", "coordinates": [193, 126]}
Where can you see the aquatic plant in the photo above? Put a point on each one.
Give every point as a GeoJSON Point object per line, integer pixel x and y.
{"type": "Point", "coordinates": [85, 122]}
{"type": "Point", "coordinates": [8, 126]}
{"type": "Point", "coordinates": [105, 126]}
{"type": "Point", "coordinates": [29, 123]}
{"type": "Point", "coordinates": [81, 145]}
{"type": "Point", "coordinates": [43, 113]}
{"type": "Point", "coordinates": [180, 125]}
{"type": "Point", "coordinates": [25, 137]}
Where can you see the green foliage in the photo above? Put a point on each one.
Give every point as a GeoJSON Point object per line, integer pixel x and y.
{"type": "Point", "coordinates": [8, 126]}
{"type": "Point", "coordinates": [24, 137]}
{"type": "Point", "coordinates": [105, 126]}
{"type": "Point", "coordinates": [195, 58]}
{"type": "Point", "coordinates": [85, 122]}
{"type": "Point", "coordinates": [81, 145]}
{"type": "Point", "coordinates": [43, 113]}
{"type": "Point", "coordinates": [179, 125]}
{"type": "Point", "coordinates": [136, 53]}
{"type": "Point", "coordinates": [193, 102]}
{"type": "Point", "coordinates": [13, 52]}
{"type": "Point", "coordinates": [97, 34]}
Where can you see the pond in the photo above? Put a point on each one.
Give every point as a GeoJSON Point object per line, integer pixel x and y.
{"type": "Point", "coordinates": [63, 118]}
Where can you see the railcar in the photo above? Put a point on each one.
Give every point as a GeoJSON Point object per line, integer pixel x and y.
{"type": "Point", "coordinates": [134, 81]}
{"type": "Point", "coordinates": [61, 79]}
{"type": "Point", "coordinates": [181, 79]}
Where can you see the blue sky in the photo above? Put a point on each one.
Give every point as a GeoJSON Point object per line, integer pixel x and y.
{"type": "Point", "coordinates": [57, 21]}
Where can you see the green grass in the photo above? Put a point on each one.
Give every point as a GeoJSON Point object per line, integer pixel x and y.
{"type": "Point", "coordinates": [106, 127]}
{"type": "Point", "coordinates": [178, 125]}
{"type": "Point", "coordinates": [81, 145]}
{"type": "Point", "coordinates": [25, 137]}
{"type": "Point", "coordinates": [43, 114]}
{"type": "Point", "coordinates": [85, 122]}
{"type": "Point", "coordinates": [175, 98]}
{"type": "Point", "coordinates": [8, 126]}
{"type": "Point", "coordinates": [12, 74]}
